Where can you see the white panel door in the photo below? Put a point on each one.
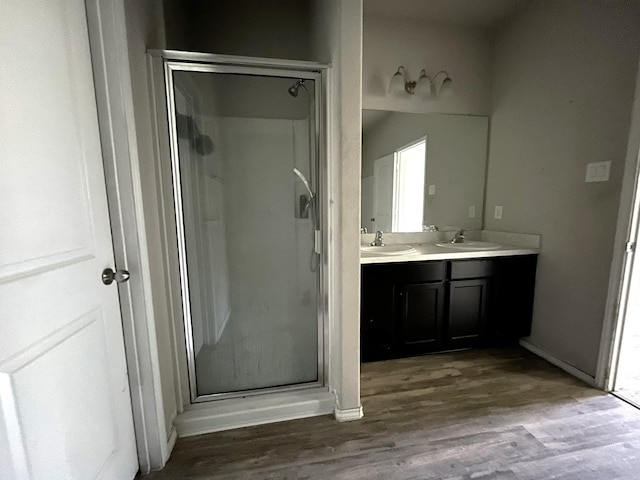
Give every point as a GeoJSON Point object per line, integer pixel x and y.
{"type": "Point", "coordinates": [383, 169]}
{"type": "Point", "coordinates": [65, 411]}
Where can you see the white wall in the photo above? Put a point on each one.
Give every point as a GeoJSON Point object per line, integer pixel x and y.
{"type": "Point", "coordinates": [337, 39]}
{"type": "Point", "coordinates": [463, 52]}
{"type": "Point", "coordinates": [563, 85]}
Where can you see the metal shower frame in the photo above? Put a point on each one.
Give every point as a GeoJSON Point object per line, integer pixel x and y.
{"type": "Point", "coordinates": [174, 61]}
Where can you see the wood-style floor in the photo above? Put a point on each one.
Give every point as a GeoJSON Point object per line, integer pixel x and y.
{"type": "Point", "coordinates": [628, 378]}
{"type": "Point", "coordinates": [485, 415]}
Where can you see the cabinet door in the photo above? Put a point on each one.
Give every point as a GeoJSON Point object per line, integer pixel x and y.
{"type": "Point", "coordinates": [377, 321]}
{"type": "Point", "coordinates": [422, 316]}
{"type": "Point", "coordinates": [467, 312]}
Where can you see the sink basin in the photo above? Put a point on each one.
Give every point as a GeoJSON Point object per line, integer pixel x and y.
{"type": "Point", "coordinates": [389, 250]}
{"type": "Point", "coordinates": [472, 245]}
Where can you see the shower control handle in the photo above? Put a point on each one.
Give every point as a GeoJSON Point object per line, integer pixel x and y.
{"type": "Point", "coordinates": [119, 276]}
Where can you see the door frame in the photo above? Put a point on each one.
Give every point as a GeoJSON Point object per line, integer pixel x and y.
{"type": "Point", "coordinates": [625, 244]}
{"type": "Point", "coordinates": [112, 77]}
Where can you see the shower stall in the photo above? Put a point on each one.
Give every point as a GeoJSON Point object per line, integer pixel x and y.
{"type": "Point", "coordinates": [248, 184]}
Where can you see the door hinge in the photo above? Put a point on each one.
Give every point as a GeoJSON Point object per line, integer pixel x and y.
{"type": "Point", "coordinates": [630, 247]}
{"type": "Point", "coordinates": [317, 241]}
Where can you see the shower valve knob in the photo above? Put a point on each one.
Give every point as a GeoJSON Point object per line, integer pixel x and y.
{"type": "Point", "coordinates": [119, 276]}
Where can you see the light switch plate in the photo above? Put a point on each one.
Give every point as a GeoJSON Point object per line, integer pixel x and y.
{"type": "Point", "coordinates": [432, 189]}
{"type": "Point", "coordinates": [598, 172]}
{"type": "Point", "coordinates": [497, 212]}
{"type": "Point", "coordinates": [472, 211]}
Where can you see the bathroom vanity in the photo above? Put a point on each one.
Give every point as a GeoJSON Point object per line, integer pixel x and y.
{"type": "Point", "coordinates": [419, 292]}
{"type": "Point", "coordinates": [439, 299]}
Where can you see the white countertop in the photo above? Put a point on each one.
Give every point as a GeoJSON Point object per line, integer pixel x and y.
{"type": "Point", "coordinates": [429, 251]}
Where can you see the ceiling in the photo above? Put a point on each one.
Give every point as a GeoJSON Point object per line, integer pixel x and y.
{"type": "Point", "coordinates": [469, 13]}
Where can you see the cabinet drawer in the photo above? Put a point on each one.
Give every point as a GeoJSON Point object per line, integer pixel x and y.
{"type": "Point", "coordinates": [403, 273]}
{"type": "Point", "coordinates": [461, 269]}
{"type": "Point", "coordinates": [416, 272]}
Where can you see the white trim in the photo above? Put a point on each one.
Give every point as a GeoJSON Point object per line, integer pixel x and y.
{"type": "Point", "coordinates": [162, 172]}
{"type": "Point", "coordinates": [558, 362]}
{"type": "Point", "coordinates": [171, 442]}
{"type": "Point", "coordinates": [621, 263]}
{"type": "Point", "coordinates": [349, 414]}
{"type": "Point", "coordinates": [112, 76]}
{"type": "Point", "coordinates": [238, 413]}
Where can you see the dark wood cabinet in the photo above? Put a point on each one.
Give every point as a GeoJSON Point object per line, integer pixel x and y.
{"type": "Point", "coordinates": [377, 328]}
{"type": "Point", "coordinates": [414, 308]}
{"type": "Point", "coordinates": [402, 308]}
{"type": "Point", "coordinates": [421, 318]}
{"type": "Point", "coordinates": [467, 313]}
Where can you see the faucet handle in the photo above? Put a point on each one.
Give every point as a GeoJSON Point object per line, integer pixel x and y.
{"type": "Point", "coordinates": [378, 242]}
{"type": "Point", "coordinates": [363, 230]}
{"type": "Point", "coordinates": [458, 237]}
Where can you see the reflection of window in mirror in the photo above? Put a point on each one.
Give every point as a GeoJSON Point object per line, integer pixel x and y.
{"type": "Point", "coordinates": [408, 187]}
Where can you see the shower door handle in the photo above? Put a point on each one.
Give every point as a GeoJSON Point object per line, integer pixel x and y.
{"type": "Point", "coordinates": [119, 276]}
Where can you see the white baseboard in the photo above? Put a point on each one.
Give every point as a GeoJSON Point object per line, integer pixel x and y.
{"type": "Point", "coordinates": [171, 442]}
{"type": "Point", "coordinates": [348, 414]}
{"type": "Point", "coordinates": [558, 362]}
{"type": "Point", "coordinates": [257, 410]}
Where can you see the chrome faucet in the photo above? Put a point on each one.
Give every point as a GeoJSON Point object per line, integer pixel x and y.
{"type": "Point", "coordinates": [459, 236]}
{"type": "Point", "coordinates": [363, 230]}
{"type": "Point", "coordinates": [378, 242]}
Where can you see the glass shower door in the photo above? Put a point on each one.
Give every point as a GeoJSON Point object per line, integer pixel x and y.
{"type": "Point", "coordinates": [245, 175]}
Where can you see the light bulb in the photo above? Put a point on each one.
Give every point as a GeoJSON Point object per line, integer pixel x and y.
{"type": "Point", "coordinates": [423, 87]}
{"type": "Point", "coordinates": [396, 85]}
{"type": "Point", "coordinates": [446, 88]}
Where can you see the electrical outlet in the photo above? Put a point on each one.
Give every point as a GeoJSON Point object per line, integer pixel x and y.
{"type": "Point", "coordinates": [432, 189]}
{"type": "Point", "coordinates": [472, 211]}
{"type": "Point", "coordinates": [497, 213]}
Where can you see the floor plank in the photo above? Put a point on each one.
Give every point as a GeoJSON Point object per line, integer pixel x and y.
{"type": "Point", "coordinates": [482, 415]}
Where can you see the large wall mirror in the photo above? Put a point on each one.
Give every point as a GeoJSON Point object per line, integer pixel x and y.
{"type": "Point", "coordinates": [422, 169]}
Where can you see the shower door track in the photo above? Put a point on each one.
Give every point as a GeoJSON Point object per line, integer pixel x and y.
{"type": "Point", "coordinates": [213, 63]}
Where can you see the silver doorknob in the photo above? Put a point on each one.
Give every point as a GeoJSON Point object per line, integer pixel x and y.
{"type": "Point", "coordinates": [119, 276]}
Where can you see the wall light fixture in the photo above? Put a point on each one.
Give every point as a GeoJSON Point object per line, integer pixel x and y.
{"type": "Point", "coordinates": [424, 86]}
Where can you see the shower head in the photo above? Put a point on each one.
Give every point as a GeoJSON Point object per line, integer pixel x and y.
{"type": "Point", "coordinates": [188, 129]}
{"type": "Point", "coordinates": [293, 89]}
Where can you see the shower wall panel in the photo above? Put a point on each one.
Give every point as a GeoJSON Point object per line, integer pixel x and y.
{"type": "Point", "coordinates": [271, 327]}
